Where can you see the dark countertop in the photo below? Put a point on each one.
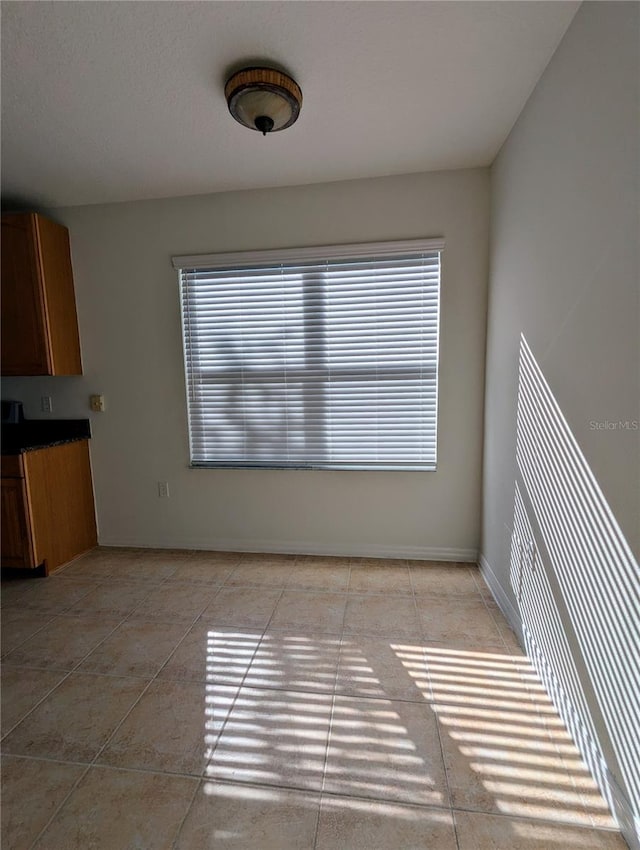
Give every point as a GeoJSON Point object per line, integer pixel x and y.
{"type": "Point", "coordinates": [42, 434]}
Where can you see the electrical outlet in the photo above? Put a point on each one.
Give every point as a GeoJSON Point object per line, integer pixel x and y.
{"type": "Point", "coordinates": [46, 405]}
{"type": "Point", "coordinates": [96, 403]}
{"type": "Point", "coordinates": [163, 489]}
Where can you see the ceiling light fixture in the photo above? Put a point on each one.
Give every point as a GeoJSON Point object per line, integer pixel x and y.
{"type": "Point", "coordinates": [263, 99]}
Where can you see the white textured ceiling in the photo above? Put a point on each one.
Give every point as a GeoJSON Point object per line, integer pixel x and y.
{"type": "Point", "coordinates": [113, 101]}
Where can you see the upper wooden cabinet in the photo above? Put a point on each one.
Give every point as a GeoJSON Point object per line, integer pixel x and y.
{"type": "Point", "coordinates": [39, 320]}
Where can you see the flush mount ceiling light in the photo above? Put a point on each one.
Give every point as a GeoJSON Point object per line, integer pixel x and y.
{"type": "Point", "coordinates": [263, 99]}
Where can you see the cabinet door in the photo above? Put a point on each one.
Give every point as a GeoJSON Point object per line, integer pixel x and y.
{"type": "Point", "coordinates": [57, 277]}
{"type": "Point", "coordinates": [16, 537]}
{"type": "Point", "coordinates": [61, 502]}
{"type": "Point", "coordinates": [25, 338]}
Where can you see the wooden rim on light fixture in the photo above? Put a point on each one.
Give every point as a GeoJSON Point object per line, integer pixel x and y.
{"type": "Point", "coordinates": [266, 80]}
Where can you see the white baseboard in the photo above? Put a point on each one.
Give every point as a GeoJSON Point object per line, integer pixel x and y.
{"type": "Point", "coordinates": [296, 547]}
{"type": "Point", "coordinates": [501, 599]}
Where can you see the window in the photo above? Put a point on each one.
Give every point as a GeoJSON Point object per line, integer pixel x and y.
{"type": "Point", "coordinates": [313, 358]}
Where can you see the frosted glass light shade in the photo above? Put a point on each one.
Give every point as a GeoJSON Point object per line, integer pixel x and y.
{"type": "Point", "coordinates": [263, 99]}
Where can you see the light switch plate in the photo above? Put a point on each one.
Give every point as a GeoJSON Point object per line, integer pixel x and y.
{"type": "Point", "coordinates": [96, 403]}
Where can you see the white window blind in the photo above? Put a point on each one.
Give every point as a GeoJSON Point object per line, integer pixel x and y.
{"type": "Point", "coordinates": [319, 358]}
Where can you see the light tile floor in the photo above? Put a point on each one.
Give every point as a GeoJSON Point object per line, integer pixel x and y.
{"type": "Point", "coordinates": [200, 700]}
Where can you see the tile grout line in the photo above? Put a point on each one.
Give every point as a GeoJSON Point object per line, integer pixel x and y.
{"type": "Point", "coordinates": [239, 686]}
{"type": "Point", "coordinates": [537, 819]}
{"type": "Point", "coordinates": [446, 779]}
{"type": "Point", "coordinates": [151, 619]}
{"type": "Point", "coordinates": [451, 703]}
{"type": "Point", "coordinates": [119, 768]}
{"type": "Point", "coordinates": [176, 837]}
{"type": "Point", "coordinates": [423, 636]}
{"type": "Point", "coordinates": [59, 808]}
{"type": "Point", "coordinates": [331, 714]}
{"type": "Point", "coordinates": [199, 780]}
{"type": "Point", "coordinates": [53, 614]}
{"type": "Point", "coordinates": [327, 744]}
{"type": "Point", "coordinates": [189, 627]}
{"type": "Point", "coordinates": [210, 753]}
{"type": "Point", "coordinates": [432, 705]}
{"type": "Point", "coordinates": [63, 679]}
{"type": "Point", "coordinates": [135, 703]}
{"type": "Point", "coordinates": [24, 716]}
{"type": "Point", "coordinates": [74, 669]}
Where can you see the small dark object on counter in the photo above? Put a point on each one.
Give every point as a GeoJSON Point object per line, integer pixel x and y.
{"type": "Point", "coordinates": [12, 412]}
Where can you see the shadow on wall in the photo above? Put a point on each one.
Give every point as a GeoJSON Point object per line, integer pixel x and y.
{"type": "Point", "coordinates": [578, 590]}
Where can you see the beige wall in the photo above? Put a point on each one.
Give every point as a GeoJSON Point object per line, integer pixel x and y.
{"type": "Point", "coordinates": [564, 274]}
{"type": "Point", "coordinates": [564, 266]}
{"type": "Point", "coordinates": [130, 330]}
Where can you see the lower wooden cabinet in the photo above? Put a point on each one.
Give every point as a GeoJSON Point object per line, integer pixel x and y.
{"type": "Point", "coordinates": [17, 550]}
{"type": "Point", "coordinates": [48, 514]}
